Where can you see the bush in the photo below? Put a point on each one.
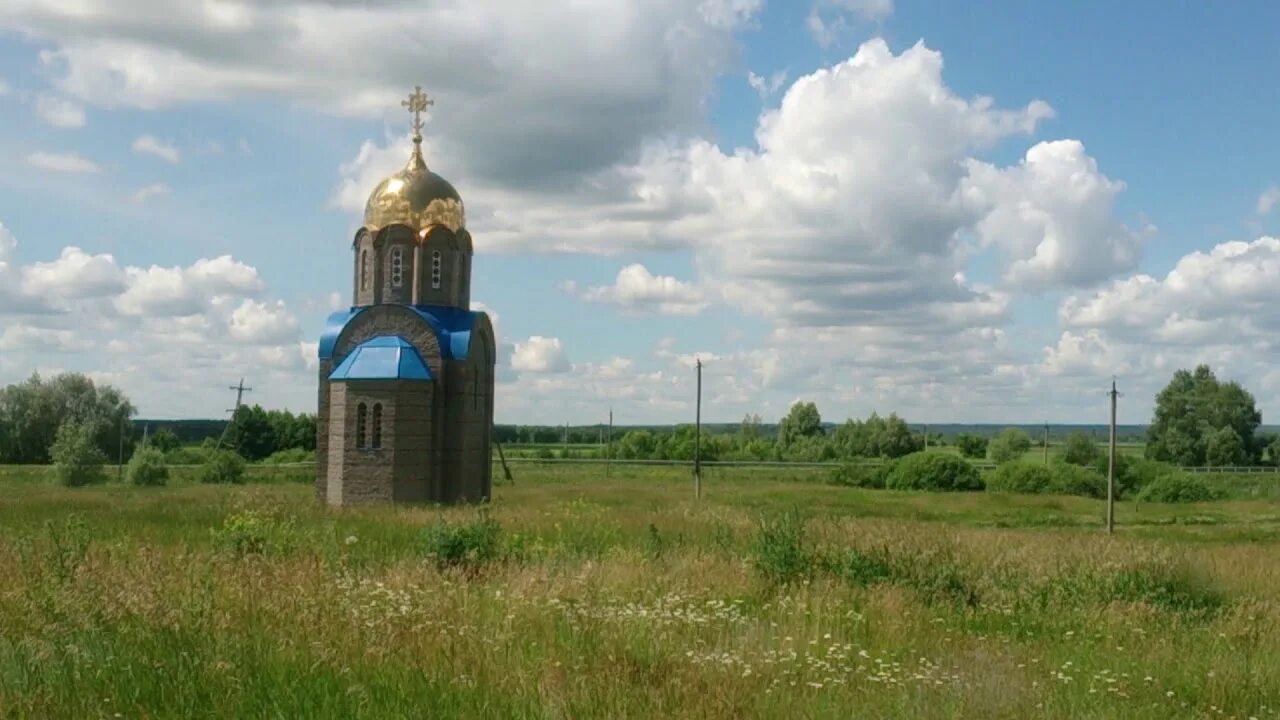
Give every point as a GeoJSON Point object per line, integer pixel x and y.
{"type": "Point", "coordinates": [250, 533]}
{"type": "Point", "coordinates": [1179, 488]}
{"type": "Point", "coordinates": [224, 466]}
{"type": "Point", "coordinates": [187, 456]}
{"type": "Point", "coordinates": [76, 458]}
{"type": "Point", "coordinates": [863, 476]}
{"type": "Point", "coordinates": [1080, 449]}
{"type": "Point", "coordinates": [780, 550]}
{"type": "Point", "coordinates": [1020, 477]}
{"type": "Point", "coordinates": [147, 468]}
{"type": "Point", "coordinates": [1010, 444]}
{"type": "Point", "coordinates": [466, 545]}
{"type": "Point", "coordinates": [1071, 479]}
{"type": "Point", "coordinates": [933, 471]}
{"type": "Point", "coordinates": [1134, 473]}
{"type": "Point", "coordinates": [972, 446]}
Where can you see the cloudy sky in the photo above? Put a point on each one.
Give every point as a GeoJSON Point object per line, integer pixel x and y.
{"type": "Point", "coordinates": [959, 212]}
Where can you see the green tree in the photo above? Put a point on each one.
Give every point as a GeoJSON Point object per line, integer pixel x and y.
{"type": "Point", "coordinates": [147, 467]}
{"type": "Point", "coordinates": [1080, 449]}
{"type": "Point", "coordinates": [894, 439]}
{"type": "Point", "coordinates": [1273, 450]}
{"type": "Point", "coordinates": [802, 421]}
{"type": "Point", "coordinates": [164, 440]}
{"type": "Point", "coordinates": [76, 457]}
{"type": "Point", "coordinates": [1194, 406]}
{"type": "Point", "coordinates": [32, 412]}
{"type": "Point", "coordinates": [750, 428]}
{"type": "Point", "coordinates": [971, 446]}
{"type": "Point", "coordinates": [1011, 444]}
{"type": "Point", "coordinates": [253, 433]}
{"type": "Point", "coordinates": [1224, 448]}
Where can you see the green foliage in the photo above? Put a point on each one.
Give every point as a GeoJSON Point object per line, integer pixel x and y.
{"type": "Point", "coordinates": [223, 467]}
{"type": "Point", "coordinates": [888, 437]}
{"type": "Point", "coordinates": [463, 545]}
{"type": "Point", "coordinates": [933, 471]}
{"type": "Point", "coordinates": [147, 468]}
{"type": "Point", "coordinates": [1273, 450]}
{"type": "Point", "coordinates": [1080, 449]}
{"type": "Point", "coordinates": [1224, 448]}
{"type": "Point", "coordinates": [1068, 479]}
{"type": "Point", "coordinates": [165, 440]}
{"type": "Point", "coordinates": [1196, 406]}
{"type": "Point", "coordinates": [780, 550]}
{"type": "Point", "coordinates": [863, 476]}
{"type": "Point", "coordinates": [253, 533]}
{"type": "Point", "coordinates": [803, 421]}
{"type": "Point", "coordinates": [1011, 444]}
{"type": "Point", "coordinates": [1020, 477]}
{"type": "Point", "coordinates": [1179, 488]}
{"type": "Point", "coordinates": [187, 456]}
{"type": "Point", "coordinates": [809, 449]}
{"type": "Point", "coordinates": [33, 412]}
{"type": "Point", "coordinates": [257, 433]}
{"type": "Point", "coordinates": [76, 458]}
{"type": "Point", "coordinates": [972, 446]}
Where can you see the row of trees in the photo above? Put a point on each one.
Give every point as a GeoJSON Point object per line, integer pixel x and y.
{"type": "Point", "coordinates": [33, 412]}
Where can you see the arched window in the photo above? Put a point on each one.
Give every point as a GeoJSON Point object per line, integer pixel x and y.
{"type": "Point", "coordinates": [397, 266]}
{"type": "Point", "coordinates": [362, 421]}
{"type": "Point", "coordinates": [364, 269]}
{"type": "Point", "coordinates": [377, 426]}
{"type": "Point", "coordinates": [435, 270]}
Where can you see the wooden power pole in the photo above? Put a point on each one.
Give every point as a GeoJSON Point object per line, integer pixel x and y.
{"type": "Point", "coordinates": [1111, 464]}
{"type": "Point", "coordinates": [697, 438]}
{"type": "Point", "coordinates": [240, 391]}
{"type": "Point", "coordinates": [1046, 443]}
{"type": "Point", "coordinates": [608, 448]}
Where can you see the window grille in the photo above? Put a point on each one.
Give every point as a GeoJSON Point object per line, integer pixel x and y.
{"type": "Point", "coordinates": [435, 270]}
{"type": "Point", "coordinates": [397, 267]}
{"type": "Point", "coordinates": [362, 420]}
{"type": "Point", "coordinates": [377, 426]}
{"type": "Point", "coordinates": [364, 269]}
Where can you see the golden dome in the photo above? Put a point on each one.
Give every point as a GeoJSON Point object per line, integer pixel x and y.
{"type": "Point", "coordinates": [415, 197]}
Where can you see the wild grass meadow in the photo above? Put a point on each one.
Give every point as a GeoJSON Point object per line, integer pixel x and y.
{"type": "Point", "coordinates": [577, 596]}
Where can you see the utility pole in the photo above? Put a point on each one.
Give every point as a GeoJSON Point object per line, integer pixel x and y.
{"type": "Point", "coordinates": [1111, 464]}
{"type": "Point", "coordinates": [697, 439]}
{"type": "Point", "coordinates": [1046, 443]}
{"type": "Point", "coordinates": [608, 448]}
{"type": "Point", "coordinates": [240, 391]}
{"type": "Point", "coordinates": [120, 457]}
{"type": "Point", "coordinates": [926, 437]}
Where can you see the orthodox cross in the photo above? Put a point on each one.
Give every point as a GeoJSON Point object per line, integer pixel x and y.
{"type": "Point", "coordinates": [417, 104]}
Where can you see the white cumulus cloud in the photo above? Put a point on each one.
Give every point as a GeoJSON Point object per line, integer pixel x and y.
{"type": "Point", "coordinates": [149, 145]}
{"type": "Point", "coordinates": [61, 162]}
{"type": "Point", "coordinates": [540, 355]}
{"type": "Point", "coordinates": [637, 290]}
{"type": "Point", "coordinates": [59, 112]}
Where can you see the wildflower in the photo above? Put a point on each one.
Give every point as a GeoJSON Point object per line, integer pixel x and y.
{"type": "Point", "coordinates": [352, 540]}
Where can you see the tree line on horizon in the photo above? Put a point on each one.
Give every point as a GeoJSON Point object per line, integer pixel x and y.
{"type": "Point", "coordinates": [1198, 421]}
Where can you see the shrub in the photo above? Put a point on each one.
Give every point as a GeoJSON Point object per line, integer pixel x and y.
{"type": "Point", "coordinates": [971, 446]}
{"type": "Point", "coordinates": [863, 476]}
{"type": "Point", "coordinates": [1010, 444]}
{"type": "Point", "coordinates": [466, 545]}
{"type": "Point", "coordinates": [1179, 488]}
{"type": "Point", "coordinates": [1080, 449]}
{"type": "Point", "coordinates": [187, 456]}
{"type": "Point", "coordinates": [1075, 480]}
{"type": "Point", "coordinates": [1020, 477]}
{"type": "Point", "coordinates": [250, 533]}
{"type": "Point", "coordinates": [223, 466]}
{"type": "Point", "coordinates": [1133, 473]}
{"type": "Point", "coordinates": [1166, 585]}
{"type": "Point", "coordinates": [933, 471]}
{"type": "Point", "coordinates": [76, 458]}
{"type": "Point", "coordinates": [780, 550]}
{"type": "Point", "coordinates": [147, 468]}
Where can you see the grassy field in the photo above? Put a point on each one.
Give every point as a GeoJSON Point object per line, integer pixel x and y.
{"type": "Point", "coordinates": [774, 596]}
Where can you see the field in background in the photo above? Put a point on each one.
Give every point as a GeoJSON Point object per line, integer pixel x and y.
{"type": "Point", "coordinates": [776, 595]}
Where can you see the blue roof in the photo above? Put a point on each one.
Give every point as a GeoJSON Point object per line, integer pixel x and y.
{"type": "Point", "coordinates": [451, 325]}
{"type": "Point", "coordinates": [387, 357]}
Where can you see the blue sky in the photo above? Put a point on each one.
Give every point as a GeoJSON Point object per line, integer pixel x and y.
{"type": "Point", "coordinates": [814, 197]}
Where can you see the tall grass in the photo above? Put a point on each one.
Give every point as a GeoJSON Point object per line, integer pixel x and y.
{"type": "Point", "coordinates": [577, 597]}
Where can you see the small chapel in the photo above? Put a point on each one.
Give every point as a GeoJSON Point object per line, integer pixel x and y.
{"type": "Point", "coordinates": [406, 374]}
